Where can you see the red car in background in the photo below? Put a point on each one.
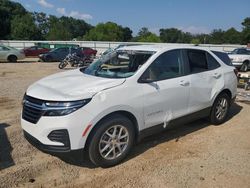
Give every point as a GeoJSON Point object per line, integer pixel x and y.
{"type": "Point", "coordinates": [35, 51]}
{"type": "Point", "coordinates": [88, 52]}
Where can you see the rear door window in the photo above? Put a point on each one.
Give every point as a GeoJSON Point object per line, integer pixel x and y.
{"type": "Point", "coordinates": [2, 48]}
{"type": "Point", "coordinates": [212, 62]}
{"type": "Point", "coordinates": [197, 61]}
{"type": "Point", "coordinates": [201, 61]}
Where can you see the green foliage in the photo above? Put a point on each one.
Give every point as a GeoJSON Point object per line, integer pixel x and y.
{"type": "Point", "coordinates": [8, 11]}
{"type": "Point", "coordinates": [217, 36]}
{"type": "Point", "coordinates": [144, 35]}
{"type": "Point", "coordinates": [41, 20]}
{"type": "Point", "coordinates": [150, 38]}
{"type": "Point", "coordinates": [195, 41]}
{"type": "Point", "coordinates": [57, 31]}
{"type": "Point", "coordinates": [105, 32]}
{"type": "Point", "coordinates": [4, 23]}
{"type": "Point", "coordinates": [74, 26]}
{"type": "Point", "coordinates": [24, 28]}
{"type": "Point", "coordinates": [232, 36]}
{"type": "Point", "coordinates": [127, 34]}
{"type": "Point", "coordinates": [13, 8]}
{"type": "Point", "coordinates": [246, 31]}
{"type": "Point", "coordinates": [171, 35]}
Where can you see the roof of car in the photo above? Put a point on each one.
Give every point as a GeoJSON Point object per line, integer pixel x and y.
{"type": "Point", "coordinates": [158, 48]}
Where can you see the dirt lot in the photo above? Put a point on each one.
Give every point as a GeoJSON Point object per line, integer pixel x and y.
{"type": "Point", "coordinates": [193, 155]}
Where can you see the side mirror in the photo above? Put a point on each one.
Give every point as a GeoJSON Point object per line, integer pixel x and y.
{"type": "Point", "coordinates": [145, 80]}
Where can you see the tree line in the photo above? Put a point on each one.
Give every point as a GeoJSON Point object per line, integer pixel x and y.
{"type": "Point", "coordinates": [16, 23]}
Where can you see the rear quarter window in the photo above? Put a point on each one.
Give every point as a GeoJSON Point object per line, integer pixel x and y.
{"type": "Point", "coordinates": [223, 57]}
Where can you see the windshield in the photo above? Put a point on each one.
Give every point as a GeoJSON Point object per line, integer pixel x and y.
{"type": "Point", "coordinates": [12, 48]}
{"type": "Point", "coordinates": [118, 64]}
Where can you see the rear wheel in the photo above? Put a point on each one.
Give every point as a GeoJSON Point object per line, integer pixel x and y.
{"type": "Point", "coordinates": [111, 141]}
{"type": "Point", "coordinates": [12, 58]}
{"type": "Point", "coordinates": [220, 109]}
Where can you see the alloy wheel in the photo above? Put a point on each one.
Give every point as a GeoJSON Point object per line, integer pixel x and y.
{"type": "Point", "coordinates": [114, 142]}
{"type": "Point", "coordinates": [221, 108]}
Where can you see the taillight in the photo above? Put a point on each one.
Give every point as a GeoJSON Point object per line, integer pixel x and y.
{"type": "Point", "coordinates": [236, 72]}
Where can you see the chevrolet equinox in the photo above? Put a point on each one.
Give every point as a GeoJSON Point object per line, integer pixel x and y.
{"type": "Point", "coordinates": [124, 96]}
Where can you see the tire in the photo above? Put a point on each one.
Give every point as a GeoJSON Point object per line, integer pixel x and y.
{"type": "Point", "coordinates": [220, 109]}
{"type": "Point", "coordinates": [62, 65]}
{"type": "Point", "coordinates": [102, 138]}
{"type": "Point", "coordinates": [244, 67]}
{"type": "Point", "coordinates": [12, 58]}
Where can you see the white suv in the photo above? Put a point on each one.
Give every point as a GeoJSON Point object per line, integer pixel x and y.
{"type": "Point", "coordinates": [126, 95]}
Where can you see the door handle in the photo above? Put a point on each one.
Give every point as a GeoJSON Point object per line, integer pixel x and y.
{"type": "Point", "coordinates": [216, 75]}
{"type": "Point", "coordinates": [184, 83]}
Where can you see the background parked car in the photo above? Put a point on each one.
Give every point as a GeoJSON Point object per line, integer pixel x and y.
{"type": "Point", "coordinates": [240, 58]}
{"type": "Point", "coordinates": [58, 54]}
{"type": "Point", "coordinates": [89, 52]}
{"type": "Point", "coordinates": [10, 54]}
{"type": "Point", "coordinates": [35, 51]}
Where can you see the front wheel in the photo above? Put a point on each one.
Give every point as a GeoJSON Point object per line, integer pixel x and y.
{"type": "Point", "coordinates": [111, 141]}
{"type": "Point", "coordinates": [244, 67]}
{"type": "Point", "coordinates": [12, 58]}
{"type": "Point", "coordinates": [220, 109]}
{"type": "Point", "coordinates": [62, 65]}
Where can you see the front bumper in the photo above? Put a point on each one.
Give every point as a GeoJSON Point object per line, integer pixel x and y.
{"type": "Point", "coordinates": [40, 133]}
{"type": "Point", "coordinates": [47, 148]}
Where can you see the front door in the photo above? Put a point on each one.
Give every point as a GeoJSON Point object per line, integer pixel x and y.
{"type": "Point", "coordinates": [166, 96]}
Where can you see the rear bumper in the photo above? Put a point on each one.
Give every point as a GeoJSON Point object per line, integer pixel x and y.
{"type": "Point", "coordinates": [47, 148]}
{"type": "Point", "coordinates": [237, 64]}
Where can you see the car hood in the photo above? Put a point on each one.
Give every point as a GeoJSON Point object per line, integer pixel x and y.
{"type": "Point", "coordinates": [70, 85]}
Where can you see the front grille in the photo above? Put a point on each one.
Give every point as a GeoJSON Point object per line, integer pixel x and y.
{"type": "Point", "coordinates": [32, 109]}
{"type": "Point", "coordinates": [34, 100]}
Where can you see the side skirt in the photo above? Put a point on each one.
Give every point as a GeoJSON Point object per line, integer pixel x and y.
{"type": "Point", "coordinates": [179, 121]}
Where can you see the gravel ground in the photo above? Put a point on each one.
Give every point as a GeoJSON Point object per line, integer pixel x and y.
{"type": "Point", "coordinates": [192, 155]}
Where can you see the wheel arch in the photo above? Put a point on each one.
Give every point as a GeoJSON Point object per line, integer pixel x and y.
{"type": "Point", "coordinates": [246, 61]}
{"type": "Point", "coordinates": [226, 91]}
{"type": "Point", "coordinates": [9, 55]}
{"type": "Point", "coordinates": [124, 113]}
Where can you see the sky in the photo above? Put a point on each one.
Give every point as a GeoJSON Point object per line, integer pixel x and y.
{"type": "Point", "coordinates": [195, 16]}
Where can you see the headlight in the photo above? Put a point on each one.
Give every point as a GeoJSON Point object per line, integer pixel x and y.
{"type": "Point", "coordinates": [63, 108]}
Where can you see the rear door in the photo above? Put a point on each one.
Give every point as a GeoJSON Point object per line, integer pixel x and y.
{"type": "Point", "coordinates": [166, 97]}
{"type": "Point", "coordinates": [206, 79]}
